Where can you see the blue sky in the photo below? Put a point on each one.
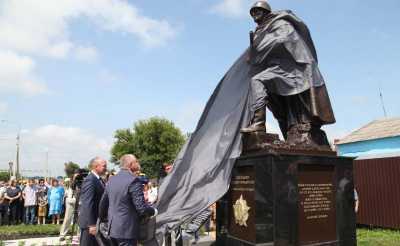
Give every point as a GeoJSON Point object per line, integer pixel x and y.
{"type": "Point", "coordinates": [75, 71]}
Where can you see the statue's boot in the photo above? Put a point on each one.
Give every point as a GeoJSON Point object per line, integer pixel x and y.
{"type": "Point", "coordinates": [308, 135]}
{"type": "Point", "coordinates": [258, 122]}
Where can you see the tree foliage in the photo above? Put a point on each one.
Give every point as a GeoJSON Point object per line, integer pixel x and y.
{"type": "Point", "coordinates": [4, 176]}
{"type": "Point", "coordinates": [70, 168]}
{"type": "Point", "coordinates": [153, 141]}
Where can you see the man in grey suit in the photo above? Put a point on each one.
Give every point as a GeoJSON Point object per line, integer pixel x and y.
{"type": "Point", "coordinates": [123, 203]}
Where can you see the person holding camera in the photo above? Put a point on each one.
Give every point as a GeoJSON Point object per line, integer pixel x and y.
{"type": "Point", "coordinates": [123, 204]}
{"type": "Point", "coordinates": [90, 194]}
{"type": "Point", "coordinates": [69, 208]}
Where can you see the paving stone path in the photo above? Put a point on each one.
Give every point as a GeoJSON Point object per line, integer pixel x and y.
{"type": "Point", "coordinates": [54, 241]}
{"type": "Point", "coordinates": [46, 241]}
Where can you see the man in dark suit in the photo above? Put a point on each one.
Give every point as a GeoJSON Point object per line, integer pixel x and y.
{"type": "Point", "coordinates": [123, 203]}
{"type": "Point", "coordinates": [91, 193]}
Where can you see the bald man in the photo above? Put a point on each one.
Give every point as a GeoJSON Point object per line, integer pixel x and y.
{"type": "Point", "coordinates": [123, 203]}
{"type": "Point", "coordinates": [91, 193]}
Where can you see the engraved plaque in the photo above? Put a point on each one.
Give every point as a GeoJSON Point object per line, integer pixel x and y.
{"type": "Point", "coordinates": [241, 225]}
{"type": "Point", "coordinates": [317, 206]}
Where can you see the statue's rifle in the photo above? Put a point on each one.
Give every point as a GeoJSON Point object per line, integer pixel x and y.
{"type": "Point", "coordinates": [251, 36]}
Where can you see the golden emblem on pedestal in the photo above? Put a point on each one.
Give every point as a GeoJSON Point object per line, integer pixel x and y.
{"type": "Point", "coordinates": [241, 211]}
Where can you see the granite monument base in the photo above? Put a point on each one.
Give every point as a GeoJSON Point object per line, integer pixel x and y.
{"type": "Point", "coordinates": [286, 199]}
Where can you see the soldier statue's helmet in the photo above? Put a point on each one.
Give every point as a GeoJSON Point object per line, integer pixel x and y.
{"type": "Point", "coordinates": [260, 5]}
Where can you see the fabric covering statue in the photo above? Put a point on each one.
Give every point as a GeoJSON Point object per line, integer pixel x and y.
{"type": "Point", "coordinates": [278, 70]}
{"type": "Point", "coordinates": [286, 78]}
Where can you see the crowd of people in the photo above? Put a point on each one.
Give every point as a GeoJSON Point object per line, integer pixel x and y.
{"type": "Point", "coordinates": [41, 201]}
{"type": "Point", "coordinates": [90, 198]}
{"type": "Point", "coordinates": [32, 201]}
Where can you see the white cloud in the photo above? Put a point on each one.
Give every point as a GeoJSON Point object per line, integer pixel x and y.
{"type": "Point", "coordinates": [119, 15]}
{"type": "Point", "coordinates": [30, 28]}
{"type": "Point", "coordinates": [42, 27]}
{"type": "Point", "coordinates": [60, 136]}
{"type": "Point", "coordinates": [232, 8]}
{"type": "Point", "coordinates": [63, 144]}
{"type": "Point", "coordinates": [17, 74]}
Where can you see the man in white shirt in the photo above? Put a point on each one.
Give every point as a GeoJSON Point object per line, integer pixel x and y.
{"type": "Point", "coordinates": [30, 197]}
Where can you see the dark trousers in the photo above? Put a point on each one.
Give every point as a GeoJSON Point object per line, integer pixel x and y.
{"type": "Point", "coordinates": [20, 212]}
{"type": "Point", "coordinates": [87, 239]}
{"type": "Point", "coordinates": [12, 217]}
{"type": "Point", "coordinates": [3, 214]}
{"type": "Point", "coordinates": [123, 242]}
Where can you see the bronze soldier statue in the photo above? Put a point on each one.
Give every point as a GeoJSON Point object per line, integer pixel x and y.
{"type": "Point", "coordinates": [286, 78]}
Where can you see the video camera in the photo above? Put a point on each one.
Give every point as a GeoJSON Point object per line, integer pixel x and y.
{"type": "Point", "coordinates": [76, 186]}
{"type": "Point", "coordinates": [79, 176]}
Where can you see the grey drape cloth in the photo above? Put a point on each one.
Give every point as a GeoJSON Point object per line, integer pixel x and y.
{"type": "Point", "coordinates": [202, 171]}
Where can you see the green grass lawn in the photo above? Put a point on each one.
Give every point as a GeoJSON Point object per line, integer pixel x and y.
{"type": "Point", "coordinates": [26, 231]}
{"type": "Point", "coordinates": [378, 237]}
{"type": "Point", "coordinates": [365, 237]}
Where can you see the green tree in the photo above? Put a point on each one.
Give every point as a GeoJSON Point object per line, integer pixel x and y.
{"type": "Point", "coordinates": [153, 141]}
{"type": "Point", "coordinates": [4, 176]}
{"type": "Point", "coordinates": [70, 168]}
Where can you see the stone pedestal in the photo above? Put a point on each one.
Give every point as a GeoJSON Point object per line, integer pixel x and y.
{"type": "Point", "coordinates": [286, 199]}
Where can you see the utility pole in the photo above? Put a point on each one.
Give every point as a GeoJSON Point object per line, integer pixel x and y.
{"type": "Point", "coordinates": [11, 169]}
{"type": "Point", "coordinates": [18, 175]}
{"type": "Point", "coordinates": [16, 172]}
{"type": "Point", "coordinates": [47, 163]}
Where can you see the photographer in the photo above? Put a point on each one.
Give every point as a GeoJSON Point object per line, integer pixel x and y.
{"type": "Point", "coordinates": [70, 201]}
